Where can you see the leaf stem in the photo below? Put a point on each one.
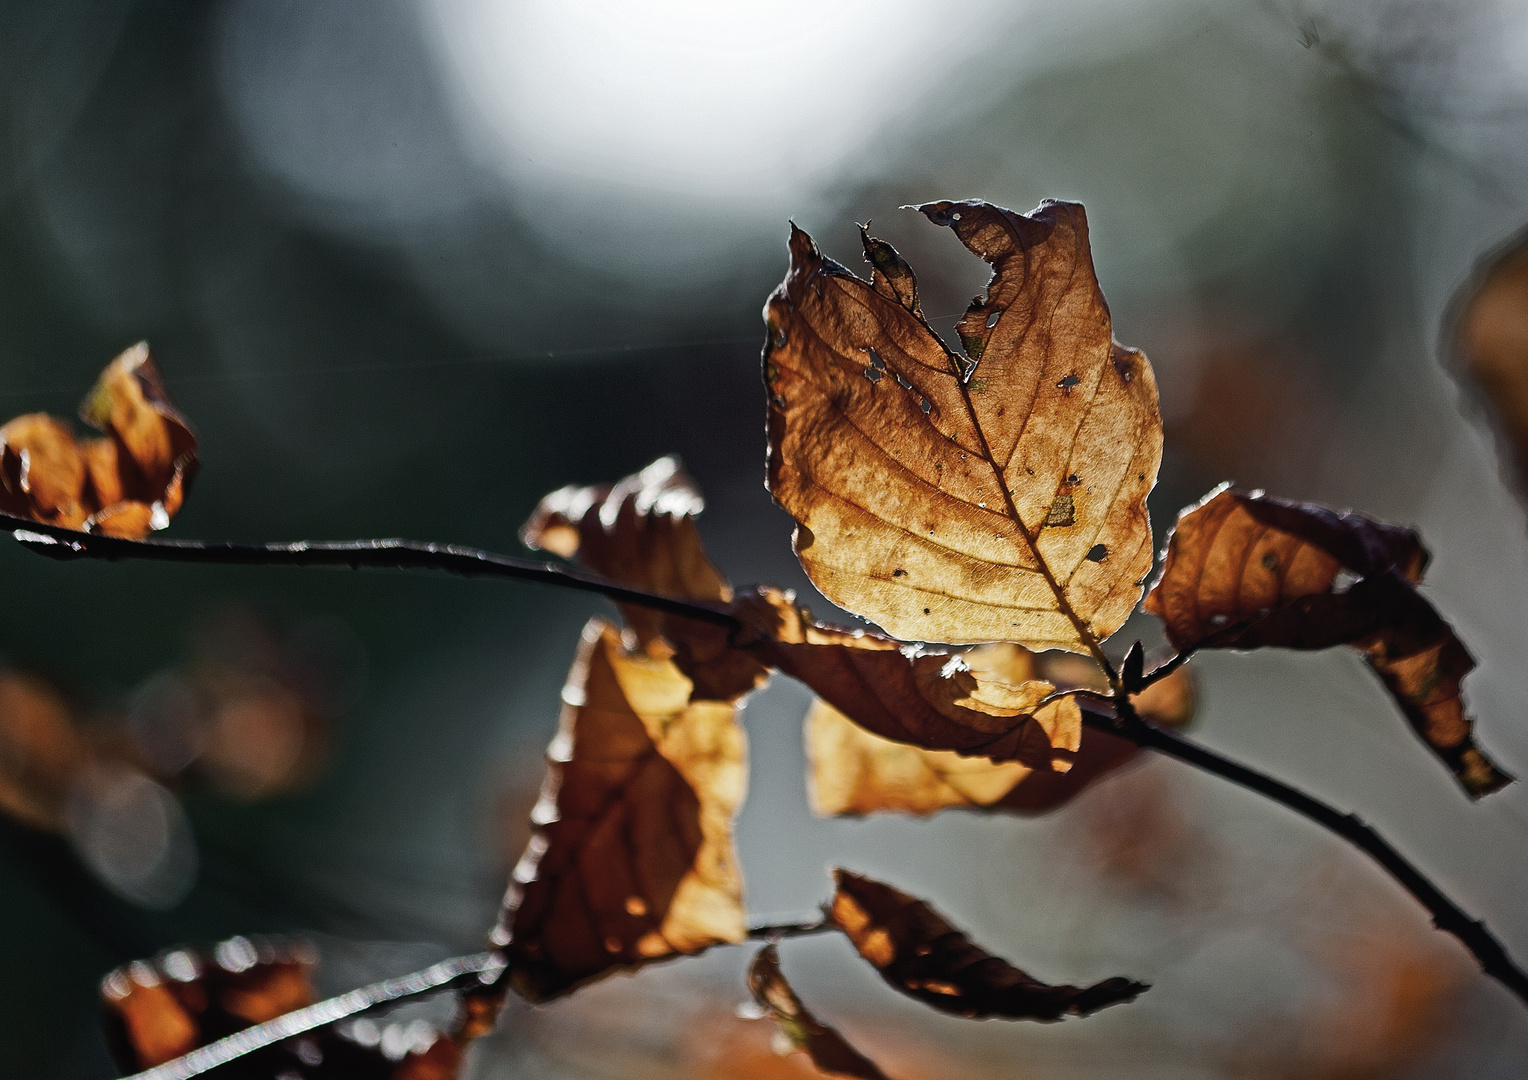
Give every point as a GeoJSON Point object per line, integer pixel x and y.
{"type": "Point", "coordinates": [392, 554]}
{"type": "Point", "coordinates": [780, 931]}
{"type": "Point", "coordinates": [1446, 915]}
{"type": "Point", "coordinates": [1164, 669]}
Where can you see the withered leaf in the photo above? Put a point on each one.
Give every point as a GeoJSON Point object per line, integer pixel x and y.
{"type": "Point", "coordinates": [641, 532]}
{"type": "Point", "coordinates": [999, 496]}
{"type": "Point", "coordinates": [985, 703]}
{"type": "Point", "coordinates": [1244, 571]}
{"type": "Point", "coordinates": [919, 953]}
{"type": "Point", "coordinates": [128, 483]}
{"type": "Point", "coordinates": [631, 860]}
{"type": "Point", "coordinates": [828, 1050]}
{"type": "Point", "coordinates": [853, 771]}
{"type": "Point", "coordinates": [1488, 323]}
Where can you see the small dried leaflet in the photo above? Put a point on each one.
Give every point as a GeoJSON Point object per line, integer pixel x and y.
{"type": "Point", "coordinates": [828, 1050]}
{"type": "Point", "coordinates": [919, 953]}
{"type": "Point", "coordinates": [128, 483]}
{"type": "Point", "coordinates": [1247, 571]}
{"type": "Point", "coordinates": [999, 496]}
{"type": "Point", "coordinates": [1488, 325]}
{"type": "Point", "coordinates": [631, 860]}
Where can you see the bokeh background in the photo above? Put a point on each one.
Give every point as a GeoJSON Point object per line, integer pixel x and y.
{"type": "Point", "coordinates": [409, 264]}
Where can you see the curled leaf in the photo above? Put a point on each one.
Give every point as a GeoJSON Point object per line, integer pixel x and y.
{"type": "Point", "coordinates": [128, 483]}
{"type": "Point", "coordinates": [985, 702]}
{"type": "Point", "coordinates": [828, 1050]}
{"type": "Point", "coordinates": [922, 955]}
{"type": "Point", "coordinates": [853, 771]}
{"type": "Point", "coordinates": [631, 857]}
{"type": "Point", "coordinates": [641, 532]}
{"type": "Point", "coordinates": [999, 496]}
{"type": "Point", "coordinates": [183, 999]}
{"type": "Point", "coordinates": [1244, 571]}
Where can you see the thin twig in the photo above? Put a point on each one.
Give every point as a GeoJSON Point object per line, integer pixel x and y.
{"type": "Point", "coordinates": [61, 543]}
{"type": "Point", "coordinates": [458, 971]}
{"type": "Point", "coordinates": [1446, 915]}
{"type": "Point", "coordinates": [1164, 669]}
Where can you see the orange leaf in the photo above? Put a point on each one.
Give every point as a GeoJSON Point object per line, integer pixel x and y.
{"type": "Point", "coordinates": [631, 860]}
{"type": "Point", "coordinates": [999, 496]}
{"type": "Point", "coordinates": [1247, 571]}
{"type": "Point", "coordinates": [127, 484]}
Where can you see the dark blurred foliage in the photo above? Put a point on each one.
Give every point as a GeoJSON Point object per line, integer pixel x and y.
{"type": "Point", "coordinates": [379, 328]}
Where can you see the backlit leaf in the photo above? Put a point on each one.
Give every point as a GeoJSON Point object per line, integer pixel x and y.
{"type": "Point", "coordinates": [999, 496]}
{"type": "Point", "coordinates": [985, 702]}
{"type": "Point", "coordinates": [631, 860]}
{"type": "Point", "coordinates": [41, 751]}
{"type": "Point", "coordinates": [1246, 571]}
{"type": "Point", "coordinates": [922, 955]}
{"type": "Point", "coordinates": [853, 772]}
{"type": "Point", "coordinates": [641, 532]}
{"type": "Point", "coordinates": [128, 483]}
{"type": "Point", "coordinates": [828, 1050]}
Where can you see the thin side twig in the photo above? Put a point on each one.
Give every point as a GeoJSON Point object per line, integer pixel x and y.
{"type": "Point", "coordinates": [65, 544]}
{"type": "Point", "coordinates": [1446, 915]}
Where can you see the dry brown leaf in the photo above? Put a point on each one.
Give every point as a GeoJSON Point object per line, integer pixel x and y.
{"type": "Point", "coordinates": [828, 1050]}
{"type": "Point", "coordinates": [1489, 328]}
{"type": "Point", "coordinates": [922, 955]}
{"type": "Point", "coordinates": [1247, 571]}
{"type": "Point", "coordinates": [641, 532]}
{"type": "Point", "coordinates": [157, 1010]}
{"type": "Point", "coordinates": [631, 860]}
{"type": "Point", "coordinates": [128, 483]}
{"type": "Point", "coordinates": [852, 771]}
{"type": "Point", "coordinates": [1000, 498]}
{"type": "Point", "coordinates": [983, 703]}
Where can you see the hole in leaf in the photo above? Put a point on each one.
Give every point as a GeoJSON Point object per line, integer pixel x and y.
{"type": "Point", "coordinates": [1098, 553]}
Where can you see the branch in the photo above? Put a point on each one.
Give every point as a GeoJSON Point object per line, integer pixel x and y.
{"type": "Point", "coordinates": [1446, 915]}
{"type": "Point", "coordinates": [780, 931]}
{"type": "Point", "coordinates": [459, 971]}
{"type": "Point", "coordinates": [66, 544]}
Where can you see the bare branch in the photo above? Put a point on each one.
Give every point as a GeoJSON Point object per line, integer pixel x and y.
{"type": "Point", "coordinates": [1446, 915]}
{"type": "Point", "coordinates": [391, 554]}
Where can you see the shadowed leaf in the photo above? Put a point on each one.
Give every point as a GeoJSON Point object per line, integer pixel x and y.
{"type": "Point", "coordinates": [919, 953]}
{"type": "Point", "coordinates": [631, 860]}
{"type": "Point", "coordinates": [985, 702]}
{"type": "Point", "coordinates": [853, 772]}
{"type": "Point", "coordinates": [641, 532]}
{"type": "Point", "coordinates": [128, 483]}
{"type": "Point", "coordinates": [828, 1050]}
{"type": "Point", "coordinates": [1247, 571]}
{"type": "Point", "coordinates": [999, 496]}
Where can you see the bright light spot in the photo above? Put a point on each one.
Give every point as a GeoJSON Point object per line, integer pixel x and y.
{"type": "Point", "coordinates": [133, 834]}
{"type": "Point", "coordinates": [690, 98]}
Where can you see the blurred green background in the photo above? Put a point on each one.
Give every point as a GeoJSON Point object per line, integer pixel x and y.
{"type": "Point", "coordinates": [407, 265]}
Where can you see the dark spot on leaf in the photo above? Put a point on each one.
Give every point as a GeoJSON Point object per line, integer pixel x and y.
{"type": "Point", "coordinates": [899, 572]}
{"type": "Point", "coordinates": [1270, 562]}
{"type": "Point", "coordinates": [1068, 382]}
{"type": "Point", "coordinates": [1098, 553]}
{"type": "Point", "coordinates": [1073, 478]}
{"type": "Point", "coordinates": [925, 611]}
{"type": "Point", "coordinates": [1061, 513]}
